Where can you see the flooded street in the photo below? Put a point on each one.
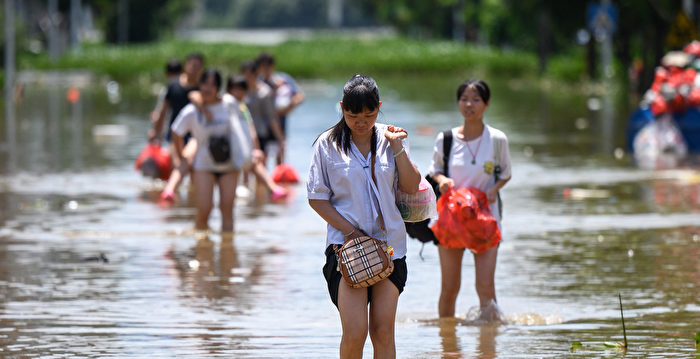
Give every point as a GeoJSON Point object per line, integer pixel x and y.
{"type": "Point", "coordinates": [580, 225]}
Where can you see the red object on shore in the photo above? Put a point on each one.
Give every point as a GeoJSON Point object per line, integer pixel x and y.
{"type": "Point", "coordinates": [693, 48]}
{"type": "Point", "coordinates": [73, 95]}
{"type": "Point", "coordinates": [285, 173]}
{"type": "Point", "coordinates": [659, 106]}
{"type": "Point", "coordinates": [154, 161]}
{"type": "Point", "coordinates": [465, 221]}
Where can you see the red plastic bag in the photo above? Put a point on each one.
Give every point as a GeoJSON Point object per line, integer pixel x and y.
{"type": "Point", "coordinates": [465, 221]}
{"type": "Point", "coordinates": [154, 161]}
{"type": "Point", "coordinates": [285, 173]}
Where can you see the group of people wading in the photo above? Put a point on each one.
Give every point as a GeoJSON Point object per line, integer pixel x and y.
{"type": "Point", "coordinates": [200, 105]}
{"type": "Point", "coordinates": [201, 111]}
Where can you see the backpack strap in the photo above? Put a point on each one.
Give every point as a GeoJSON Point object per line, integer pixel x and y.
{"type": "Point", "coordinates": [498, 144]}
{"type": "Point", "coordinates": [446, 149]}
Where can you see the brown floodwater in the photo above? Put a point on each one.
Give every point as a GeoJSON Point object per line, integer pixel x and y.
{"type": "Point", "coordinates": [580, 226]}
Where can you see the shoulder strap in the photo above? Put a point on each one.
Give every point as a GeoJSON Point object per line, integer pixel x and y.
{"type": "Point", "coordinates": [374, 179]}
{"type": "Point", "coordinates": [497, 148]}
{"type": "Point", "coordinates": [446, 149]}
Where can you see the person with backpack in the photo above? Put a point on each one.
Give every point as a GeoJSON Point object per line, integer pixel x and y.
{"type": "Point", "coordinates": [476, 157]}
{"type": "Point", "coordinates": [213, 163]}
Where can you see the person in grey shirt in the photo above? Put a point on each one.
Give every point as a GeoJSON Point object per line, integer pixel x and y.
{"type": "Point", "coordinates": [260, 101]}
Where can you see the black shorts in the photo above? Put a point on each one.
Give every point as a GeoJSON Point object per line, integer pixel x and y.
{"type": "Point", "coordinates": [265, 140]}
{"type": "Point", "coordinates": [333, 277]}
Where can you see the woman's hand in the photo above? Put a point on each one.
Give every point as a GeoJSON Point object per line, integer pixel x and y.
{"type": "Point", "coordinates": [446, 184]}
{"type": "Point", "coordinates": [492, 194]}
{"type": "Point", "coordinates": [356, 233]}
{"type": "Point", "coordinates": [395, 134]}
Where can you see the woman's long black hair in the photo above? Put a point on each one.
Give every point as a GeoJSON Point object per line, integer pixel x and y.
{"type": "Point", "coordinates": [360, 93]}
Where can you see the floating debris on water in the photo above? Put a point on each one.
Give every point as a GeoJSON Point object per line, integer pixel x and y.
{"type": "Point", "coordinates": [584, 193]}
{"type": "Point", "coordinates": [194, 264]}
{"type": "Point", "coordinates": [72, 205]}
{"type": "Point", "coordinates": [99, 258]}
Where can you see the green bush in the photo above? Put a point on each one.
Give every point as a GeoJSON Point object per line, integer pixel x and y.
{"type": "Point", "coordinates": [320, 57]}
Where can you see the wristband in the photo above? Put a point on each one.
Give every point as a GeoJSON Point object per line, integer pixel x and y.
{"type": "Point", "coordinates": [400, 152]}
{"type": "Point", "coordinates": [351, 232]}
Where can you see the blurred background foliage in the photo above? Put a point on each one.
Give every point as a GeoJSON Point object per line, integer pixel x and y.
{"type": "Point", "coordinates": [548, 29]}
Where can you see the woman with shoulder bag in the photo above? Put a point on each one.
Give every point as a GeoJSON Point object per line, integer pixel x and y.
{"type": "Point", "coordinates": [212, 163]}
{"type": "Point", "coordinates": [355, 169]}
{"type": "Point", "coordinates": [472, 162]}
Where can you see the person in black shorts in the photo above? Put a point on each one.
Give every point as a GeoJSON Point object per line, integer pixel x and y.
{"type": "Point", "coordinates": [176, 97]}
{"type": "Point", "coordinates": [340, 190]}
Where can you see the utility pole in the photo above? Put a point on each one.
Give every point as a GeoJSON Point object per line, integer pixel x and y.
{"type": "Point", "coordinates": [10, 81]}
{"type": "Point", "coordinates": [335, 13]}
{"type": "Point", "coordinates": [123, 22]}
{"type": "Point", "coordinates": [75, 24]}
{"type": "Point", "coordinates": [53, 31]}
{"type": "Point", "coordinates": [458, 23]}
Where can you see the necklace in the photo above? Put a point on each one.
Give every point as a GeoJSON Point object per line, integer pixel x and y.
{"type": "Point", "coordinates": [478, 145]}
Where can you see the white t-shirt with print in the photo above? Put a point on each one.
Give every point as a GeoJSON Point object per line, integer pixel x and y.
{"type": "Point", "coordinates": [191, 120]}
{"type": "Point", "coordinates": [460, 167]}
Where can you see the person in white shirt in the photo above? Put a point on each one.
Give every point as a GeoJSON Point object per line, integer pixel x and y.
{"type": "Point", "coordinates": [211, 166]}
{"type": "Point", "coordinates": [471, 164]}
{"type": "Point", "coordinates": [340, 190]}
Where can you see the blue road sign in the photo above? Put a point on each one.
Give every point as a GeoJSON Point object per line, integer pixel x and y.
{"type": "Point", "coordinates": [602, 18]}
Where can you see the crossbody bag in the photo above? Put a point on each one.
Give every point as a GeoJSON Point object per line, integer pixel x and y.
{"type": "Point", "coordinates": [219, 145]}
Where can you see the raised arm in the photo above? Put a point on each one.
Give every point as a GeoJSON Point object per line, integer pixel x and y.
{"type": "Point", "coordinates": [195, 98]}
{"type": "Point", "coordinates": [157, 118]}
{"type": "Point", "coordinates": [409, 177]}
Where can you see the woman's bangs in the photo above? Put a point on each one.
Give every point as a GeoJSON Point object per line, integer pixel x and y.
{"type": "Point", "coordinates": [358, 99]}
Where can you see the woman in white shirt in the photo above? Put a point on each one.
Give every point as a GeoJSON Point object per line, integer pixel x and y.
{"type": "Point", "coordinates": [471, 164]}
{"type": "Point", "coordinates": [340, 190]}
{"type": "Point", "coordinates": [207, 170]}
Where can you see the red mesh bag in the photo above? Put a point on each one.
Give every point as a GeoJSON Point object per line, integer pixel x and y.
{"type": "Point", "coordinates": [154, 161]}
{"type": "Point", "coordinates": [465, 221]}
{"type": "Point", "coordinates": [285, 173]}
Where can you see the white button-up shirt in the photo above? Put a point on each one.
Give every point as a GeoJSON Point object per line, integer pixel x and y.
{"type": "Point", "coordinates": [346, 181]}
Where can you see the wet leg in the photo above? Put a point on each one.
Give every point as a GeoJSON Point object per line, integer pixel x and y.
{"type": "Point", "coordinates": [451, 269]}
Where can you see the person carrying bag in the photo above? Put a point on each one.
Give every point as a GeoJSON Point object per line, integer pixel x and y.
{"type": "Point", "coordinates": [479, 166]}
{"type": "Point", "coordinates": [363, 261]}
{"type": "Point", "coordinates": [364, 223]}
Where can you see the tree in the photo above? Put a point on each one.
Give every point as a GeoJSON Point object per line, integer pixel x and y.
{"type": "Point", "coordinates": [147, 20]}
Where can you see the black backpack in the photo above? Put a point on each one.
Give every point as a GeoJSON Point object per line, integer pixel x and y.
{"type": "Point", "coordinates": [420, 230]}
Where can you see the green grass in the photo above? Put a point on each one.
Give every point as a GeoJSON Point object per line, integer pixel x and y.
{"type": "Point", "coordinates": [320, 57]}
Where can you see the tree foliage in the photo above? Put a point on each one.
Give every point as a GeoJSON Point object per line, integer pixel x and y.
{"type": "Point", "coordinates": [147, 20]}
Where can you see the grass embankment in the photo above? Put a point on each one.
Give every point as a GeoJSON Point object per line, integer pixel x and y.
{"type": "Point", "coordinates": [320, 57]}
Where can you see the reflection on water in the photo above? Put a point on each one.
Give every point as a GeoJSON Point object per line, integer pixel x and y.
{"type": "Point", "coordinates": [580, 226]}
{"type": "Point", "coordinates": [451, 346]}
